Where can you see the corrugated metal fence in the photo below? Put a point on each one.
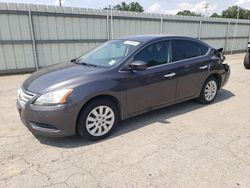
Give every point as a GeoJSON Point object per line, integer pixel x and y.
{"type": "Point", "coordinates": [34, 36]}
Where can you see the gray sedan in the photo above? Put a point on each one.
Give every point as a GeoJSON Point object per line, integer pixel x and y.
{"type": "Point", "coordinates": [118, 80]}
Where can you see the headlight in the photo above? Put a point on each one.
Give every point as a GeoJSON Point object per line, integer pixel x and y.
{"type": "Point", "coordinates": [54, 97]}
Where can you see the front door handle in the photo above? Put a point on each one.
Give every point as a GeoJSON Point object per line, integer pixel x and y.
{"type": "Point", "coordinates": [169, 75]}
{"type": "Point", "coordinates": [203, 67]}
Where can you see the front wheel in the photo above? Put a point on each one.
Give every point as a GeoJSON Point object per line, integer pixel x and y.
{"type": "Point", "coordinates": [209, 91]}
{"type": "Point", "coordinates": [97, 120]}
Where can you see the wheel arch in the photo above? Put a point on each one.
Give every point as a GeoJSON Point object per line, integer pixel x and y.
{"type": "Point", "coordinates": [102, 96]}
{"type": "Point", "coordinates": [217, 77]}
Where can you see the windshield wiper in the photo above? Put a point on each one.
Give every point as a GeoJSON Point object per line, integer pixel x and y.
{"type": "Point", "coordinates": [82, 63]}
{"type": "Point", "coordinates": [73, 60]}
{"type": "Point", "coordinates": [78, 62]}
{"type": "Point", "coordinates": [87, 64]}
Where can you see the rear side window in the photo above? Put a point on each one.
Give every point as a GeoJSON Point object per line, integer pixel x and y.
{"type": "Point", "coordinates": [155, 54]}
{"type": "Point", "coordinates": [185, 49]}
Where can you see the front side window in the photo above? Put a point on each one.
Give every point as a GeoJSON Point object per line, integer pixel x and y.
{"type": "Point", "coordinates": [155, 54]}
{"type": "Point", "coordinates": [185, 49]}
{"type": "Point", "coordinates": [109, 53]}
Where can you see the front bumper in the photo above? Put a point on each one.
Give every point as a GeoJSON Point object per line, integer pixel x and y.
{"type": "Point", "coordinates": [50, 121]}
{"type": "Point", "coordinates": [225, 75]}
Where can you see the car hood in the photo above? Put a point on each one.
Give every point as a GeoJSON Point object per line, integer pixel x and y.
{"type": "Point", "coordinates": [63, 75]}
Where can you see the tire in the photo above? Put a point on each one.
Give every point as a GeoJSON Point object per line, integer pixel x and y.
{"type": "Point", "coordinates": [97, 119]}
{"type": "Point", "coordinates": [206, 98]}
{"type": "Point", "coordinates": [247, 61]}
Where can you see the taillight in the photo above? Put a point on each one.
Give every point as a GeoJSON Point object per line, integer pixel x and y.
{"type": "Point", "coordinates": [226, 67]}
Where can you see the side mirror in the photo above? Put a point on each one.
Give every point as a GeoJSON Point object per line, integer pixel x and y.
{"type": "Point", "coordinates": [138, 65]}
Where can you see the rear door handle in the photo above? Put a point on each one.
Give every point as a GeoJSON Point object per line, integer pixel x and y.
{"type": "Point", "coordinates": [169, 75]}
{"type": "Point", "coordinates": [203, 67]}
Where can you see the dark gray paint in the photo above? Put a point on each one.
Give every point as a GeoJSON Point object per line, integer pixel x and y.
{"type": "Point", "coordinates": [134, 92]}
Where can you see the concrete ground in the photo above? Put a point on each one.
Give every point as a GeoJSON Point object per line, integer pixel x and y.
{"type": "Point", "coordinates": [184, 145]}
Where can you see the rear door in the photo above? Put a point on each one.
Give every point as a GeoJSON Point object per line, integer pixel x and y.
{"type": "Point", "coordinates": [193, 61]}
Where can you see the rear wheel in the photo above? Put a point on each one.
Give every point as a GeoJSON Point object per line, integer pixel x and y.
{"type": "Point", "coordinates": [209, 91]}
{"type": "Point", "coordinates": [97, 120]}
{"type": "Point", "coordinates": [247, 61]}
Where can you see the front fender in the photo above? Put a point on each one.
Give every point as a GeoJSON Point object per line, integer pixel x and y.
{"type": "Point", "coordinates": [86, 92]}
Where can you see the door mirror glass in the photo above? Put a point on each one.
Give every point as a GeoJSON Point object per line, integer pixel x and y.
{"type": "Point", "coordinates": [138, 65]}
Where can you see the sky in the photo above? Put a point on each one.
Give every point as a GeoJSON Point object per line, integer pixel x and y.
{"type": "Point", "coordinates": [154, 6]}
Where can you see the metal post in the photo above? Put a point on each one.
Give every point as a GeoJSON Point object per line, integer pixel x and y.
{"type": "Point", "coordinates": [161, 27]}
{"type": "Point", "coordinates": [33, 40]}
{"type": "Point", "coordinates": [111, 24]}
{"type": "Point", "coordinates": [107, 25]}
{"type": "Point", "coordinates": [199, 32]}
{"type": "Point", "coordinates": [247, 49]}
{"type": "Point", "coordinates": [226, 39]}
{"type": "Point", "coordinates": [235, 30]}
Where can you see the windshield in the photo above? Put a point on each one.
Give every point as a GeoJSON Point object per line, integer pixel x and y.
{"type": "Point", "coordinates": [109, 53]}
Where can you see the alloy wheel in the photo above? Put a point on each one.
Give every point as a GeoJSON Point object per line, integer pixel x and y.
{"type": "Point", "coordinates": [210, 90]}
{"type": "Point", "coordinates": [100, 120]}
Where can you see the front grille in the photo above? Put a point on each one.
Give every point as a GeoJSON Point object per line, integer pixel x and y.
{"type": "Point", "coordinates": [24, 97]}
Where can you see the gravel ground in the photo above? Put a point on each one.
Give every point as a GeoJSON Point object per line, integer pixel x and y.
{"type": "Point", "coordinates": [184, 145]}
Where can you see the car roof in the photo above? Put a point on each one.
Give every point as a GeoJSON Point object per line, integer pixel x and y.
{"type": "Point", "coordinates": [148, 38]}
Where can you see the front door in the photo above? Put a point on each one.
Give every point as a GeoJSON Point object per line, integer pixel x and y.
{"type": "Point", "coordinates": [154, 86]}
